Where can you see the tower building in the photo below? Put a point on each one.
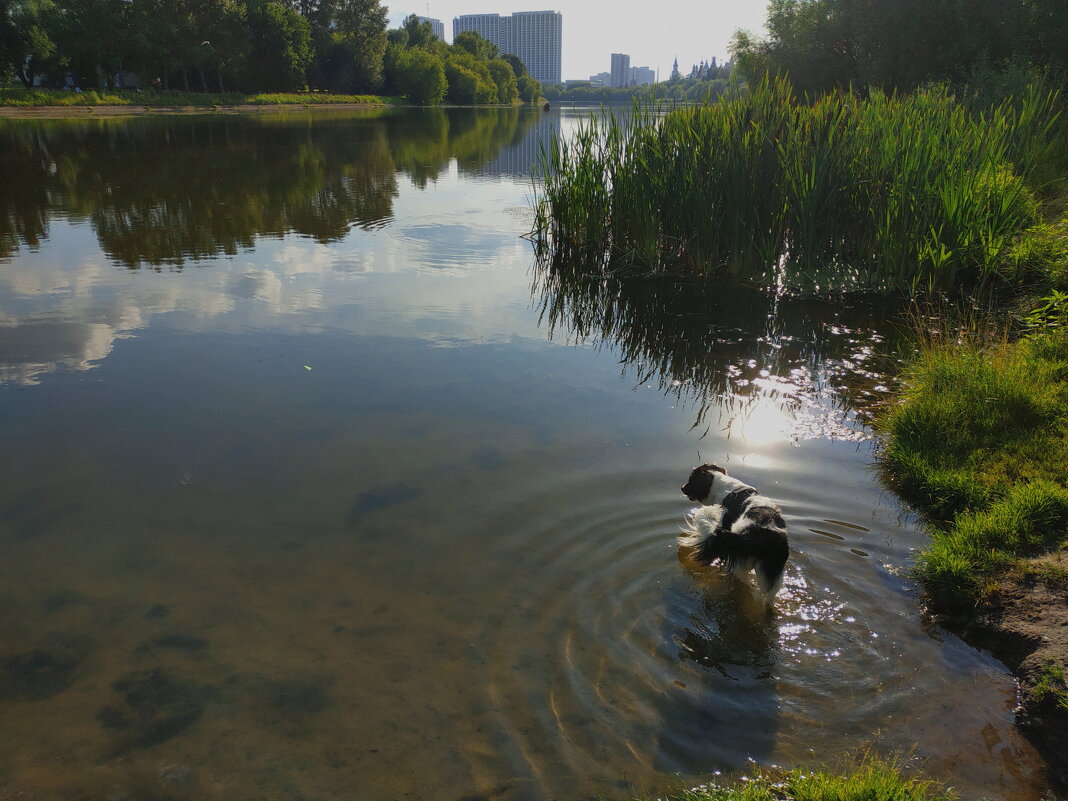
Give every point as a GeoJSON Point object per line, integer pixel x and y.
{"type": "Point", "coordinates": [533, 36]}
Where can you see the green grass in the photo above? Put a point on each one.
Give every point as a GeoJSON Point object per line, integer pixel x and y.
{"type": "Point", "coordinates": [834, 193]}
{"type": "Point", "coordinates": [54, 97]}
{"type": "Point", "coordinates": [1051, 685]}
{"type": "Point", "coordinates": [872, 780]}
{"type": "Point", "coordinates": [979, 443]}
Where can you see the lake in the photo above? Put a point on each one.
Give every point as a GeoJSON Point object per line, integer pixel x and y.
{"type": "Point", "coordinates": [316, 486]}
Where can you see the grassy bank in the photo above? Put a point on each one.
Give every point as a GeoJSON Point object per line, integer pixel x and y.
{"type": "Point", "coordinates": [979, 444]}
{"type": "Point", "coordinates": [840, 192]}
{"type": "Point", "coordinates": [873, 780]}
{"type": "Point", "coordinates": [53, 97]}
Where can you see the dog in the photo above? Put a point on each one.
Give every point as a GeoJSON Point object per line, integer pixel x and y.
{"type": "Point", "coordinates": [735, 526]}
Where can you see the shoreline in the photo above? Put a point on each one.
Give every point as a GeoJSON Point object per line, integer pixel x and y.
{"type": "Point", "coordinates": [117, 110]}
{"type": "Point", "coordinates": [1024, 626]}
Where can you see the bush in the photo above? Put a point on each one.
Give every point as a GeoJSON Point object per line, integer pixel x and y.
{"type": "Point", "coordinates": [421, 76]}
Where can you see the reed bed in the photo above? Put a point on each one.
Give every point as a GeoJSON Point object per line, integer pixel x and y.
{"type": "Point", "coordinates": [885, 191]}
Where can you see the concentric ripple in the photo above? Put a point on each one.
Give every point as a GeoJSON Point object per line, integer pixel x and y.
{"type": "Point", "coordinates": [609, 643]}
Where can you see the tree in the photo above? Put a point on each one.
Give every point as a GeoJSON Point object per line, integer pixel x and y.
{"type": "Point", "coordinates": [529, 89]}
{"type": "Point", "coordinates": [361, 28]}
{"type": "Point", "coordinates": [474, 44]}
{"type": "Point", "coordinates": [24, 39]}
{"type": "Point", "coordinates": [502, 74]}
{"type": "Point", "coordinates": [469, 79]}
{"type": "Point", "coordinates": [420, 33]}
{"type": "Point", "coordinates": [280, 48]}
{"type": "Point", "coordinates": [518, 67]}
{"type": "Point", "coordinates": [421, 76]}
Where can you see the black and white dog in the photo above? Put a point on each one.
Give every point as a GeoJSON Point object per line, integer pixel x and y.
{"type": "Point", "coordinates": [736, 526]}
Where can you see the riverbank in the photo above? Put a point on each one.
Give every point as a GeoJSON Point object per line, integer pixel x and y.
{"type": "Point", "coordinates": [137, 110]}
{"type": "Point", "coordinates": [978, 443]}
{"type": "Point", "coordinates": [18, 97]}
{"type": "Point", "coordinates": [871, 780]}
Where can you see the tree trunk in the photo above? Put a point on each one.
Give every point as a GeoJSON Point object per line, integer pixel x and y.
{"type": "Point", "coordinates": [24, 76]}
{"type": "Point", "coordinates": [185, 77]}
{"type": "Point", "coordinates": [222, 89]}
{"type": "Point", "coordinates": [203, 83]}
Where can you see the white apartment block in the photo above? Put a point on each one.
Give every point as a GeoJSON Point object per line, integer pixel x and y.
{"type": "Point", "coordinates": [436, 24]}
{"type": "Point", "coordinates": [533, 36]}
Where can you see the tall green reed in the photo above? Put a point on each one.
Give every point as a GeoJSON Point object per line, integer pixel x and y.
{"type": "Point", "coordinates": [836, 192]}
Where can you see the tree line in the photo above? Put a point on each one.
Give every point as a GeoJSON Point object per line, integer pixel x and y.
{"type": "Point", "coordinates": [706, 81]}
{"type": "Point", "coordinates": [899, 45]}
{"type": "Point", "coordinates": [215, 189]}
{"type": "Point", "coordinates": [251, 46]}
{"type": "Point", "coordinates": [471, 70]}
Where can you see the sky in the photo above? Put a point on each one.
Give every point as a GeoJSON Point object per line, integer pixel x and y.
{"type": "Point", "coordinates": [652, 32]}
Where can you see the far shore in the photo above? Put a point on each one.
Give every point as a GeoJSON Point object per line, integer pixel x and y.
{"type": "Point", "coordinates": [139, 110]}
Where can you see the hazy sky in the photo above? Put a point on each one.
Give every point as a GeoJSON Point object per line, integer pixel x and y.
{"type": "Point", "coordinates": [653, 32]}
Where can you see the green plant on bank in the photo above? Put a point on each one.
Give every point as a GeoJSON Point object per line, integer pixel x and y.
{"type": "Point", "coordinates": [979, 443]}
{"type": "Point", "coordinates": [840, 192]}
{"type": "Point", "coordinates": [1051, 685]}
{"type": "Point", "coordinates": [120, 97]}
{"type": "Point", "coordinates": [872, 780]}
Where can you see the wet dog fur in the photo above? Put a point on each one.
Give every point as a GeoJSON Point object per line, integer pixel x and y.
{"type": "Point", "coordinates": [735, 526]}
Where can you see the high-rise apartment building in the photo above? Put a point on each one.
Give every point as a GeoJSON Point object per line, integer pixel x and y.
{"type": "Point", "coordinates": [533, 36]}
{"type": "Point", "coordinates": [436, 24]}
{"type": "Point", "coordinates": [620, 69]}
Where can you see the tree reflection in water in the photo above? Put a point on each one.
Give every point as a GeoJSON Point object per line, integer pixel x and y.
{"type": "Point", "coordinates": [161, 192]}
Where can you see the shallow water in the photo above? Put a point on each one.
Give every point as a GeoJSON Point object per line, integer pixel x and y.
{"type": "Point", "coordinates": [314, 487]}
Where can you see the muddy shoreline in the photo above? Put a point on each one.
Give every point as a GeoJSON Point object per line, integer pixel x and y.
{"type": "Point", "coordinates": [1025, 626]}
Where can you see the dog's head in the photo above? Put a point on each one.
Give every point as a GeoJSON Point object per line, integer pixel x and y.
{"type": "Point", "coordinates": [702, 480]}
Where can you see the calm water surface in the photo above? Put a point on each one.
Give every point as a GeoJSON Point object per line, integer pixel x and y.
{"type": "Point", "coordinates": [313, 487]}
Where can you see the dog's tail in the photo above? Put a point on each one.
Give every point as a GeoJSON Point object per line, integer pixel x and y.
{"type": "Point", "coordinates": [700, 527]}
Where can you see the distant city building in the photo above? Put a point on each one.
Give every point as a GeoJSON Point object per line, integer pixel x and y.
{"type": "Point", "coordinates": [675, 70]}
{"type": "Point", "coordinates": [620, 69]}
{"type": "Point", "coordinates": [642, 76]}
{"type": "Point", "coordinates": [601, 79]}
{"type": "Point", "coordinates": [436, 24]}
{"type": "Point", "coordinates": [533, 36]}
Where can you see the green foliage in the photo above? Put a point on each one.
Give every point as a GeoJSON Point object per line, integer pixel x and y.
{"type": "Point", "coordinates": [360, 30]}
{"type": "Point", "coordinates": [469, 79]}
{"type": "Point", "coordinates": [1051, 685]}
{"type": "Point", "coordinates": [280, 48]}
{"type": "Point", "coordinates": [25, 42]}
{"type": "Point", "coordinates": [519, 69]}
{"type": "Point", "coordinates": [979, 442]}
{"type": "Point", "coordinates": [419, 33]}
{"type": "Point", "coordinates": [827, 44]}
{"type": "Point", "coordinates": [884, 192]}
{"type": "Point", "coordinates": [871, 780]}
{"type": "Point", "coordinates": [474, 44]}
{"type": "Point", "coordinates": [502, 75]}
{"type": "Point", "coordinates": [1040, 254]}
{"type": "Point", "coordinates": [54, 97]}
{"type": "Point", "coordinates": [529, 89]}
{"type": "Point", "coordinates": [421, 76]}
